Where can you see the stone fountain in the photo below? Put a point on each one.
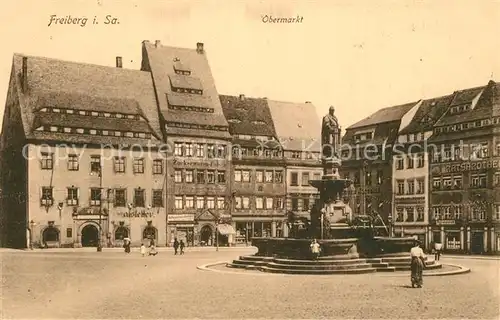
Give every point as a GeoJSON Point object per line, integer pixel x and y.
{"type": "Point", "coordinates": [348, 243]}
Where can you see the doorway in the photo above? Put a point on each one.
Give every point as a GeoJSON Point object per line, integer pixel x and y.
{"type": "Point", "coordinates": [477, 243]}
{"type": "Point", "coordinates": [90, 236]}
{"type": "Point", "coordinates": [206, 236]}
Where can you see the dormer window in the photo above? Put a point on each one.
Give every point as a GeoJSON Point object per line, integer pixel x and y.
{"type": "Point", "coordinates": [43, 110]}
{"type": "Point", "coordinates": [185, 83]}
{"type": "Point", "coordinates": [80, 130]}
{"type": "Point", "coordinates": [129, 134]}
{"type": "Point", "coordinates": [93, 132]}
{"type": "Point", "coordinates": [258, 122]}
{"type": "Point", "coordinates": [67, 130]}
{"type": "Point", "coordinates": [95, 114]}
{"type": "Point", "coordinates": [118, 134]}
{"type": "Point", "coordinates": [119, 115]}
{"type": "Point", "coordinates": [82, 113]}
{"type": "Point", "coordinates": [70, 111]}
{"type": "Point", "coordinates": [56, 110]}
{"type": "Point", "coordinates": [142, 135]}
{"type": "Point", "coordinates": [104, 132]}
{"type": "Point", "coordinates": [181, 68]}
{"type": "Point", "coordinates": [234, 120]}
{"type": "Point", "coordinates": [107, 114]}
{"type": "Point", "coordinates": [130, 116]}
{"type": "Point", "coordinates": [53, 129]}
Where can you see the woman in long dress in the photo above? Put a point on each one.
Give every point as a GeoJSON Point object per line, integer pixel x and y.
{"type": "Point", "coordinates": [417, 265]}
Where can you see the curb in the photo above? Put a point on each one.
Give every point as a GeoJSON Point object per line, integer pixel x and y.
{"type": "Point", "coordinates": [134, 249]}
{"type": "Point", "coordinates": [472, 257]}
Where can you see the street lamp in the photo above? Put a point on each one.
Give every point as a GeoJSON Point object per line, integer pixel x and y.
{"type": "Point", "coordinates": [32, 226]}
{"type": "Point", "coordinates": [323, 211]}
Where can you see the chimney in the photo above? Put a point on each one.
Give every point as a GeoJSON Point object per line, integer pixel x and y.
{"type": "Point", "coordinates": [308, 101]}
{"type": "Point", "coordinates": [199, 47]}
{"type": "Point", "coordinates": [242, 97]}
{"type": "Point", "coordinates": [119, 62]}
{"type": "Point", "coordinates": [24, 75]}
{"type": "Point", "coordinates": [157, 43]}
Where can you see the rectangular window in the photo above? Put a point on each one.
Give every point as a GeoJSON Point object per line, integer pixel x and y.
{"type": "Point", "coordinates": [269, 176]}
{"type": "Point", "coordinates": [95, 197]}
{"type": "Point", "coordinates": [237, 203]}
{"type": "Point", "coordinates": [420, 214]}
{"type": "Point", "coordinates": [279, 203]}
{"type": "Point", "coordinates": [189, 203]}
{"type": "Point", "coordinates": [436, 183]}
{"type": "Point", "coordinates": [73, 164]}
{"type": "Point", "coordinates": [496, 179]}
{"type": "Point", "coordinates": [420, 161]}
{"type": "Point", "coordinates": [484, 150]}
{"type": "Point", "coordinates": [497, 212]}
{"type": "Point", "coordinates": [178, 175]}
{"type": "Point", "coordinates": [189, 176]}
{"type": "Point", "coordinates": [410, 214]}
{"type": "Point", "coordinates": [72, 196]}
{"type": "Point", "coordinates": [457, 182]}
{"type": "Point", "coordinates": [410, 161]}
{"type": "Point", "coordinates": [188, 149]}
{"type": "Point", "coordinates": [475, 181]}
{"type": "Point", "coordinates": [411, 187]}
{"type": "Point", "coordinates": [200, 202]}
{"type": "Point", "coordinates": [498, 149]}
{"type": "Point", "coordinates": [69, 233]}
{"type": "Point", "coordinates": [47, 161]}
{"type": "Point", "coordinates": [317, 176]}
{"type": "Point", "coordinates": [400, 164]}
{"type": "Point", "coordinates": [178, 203]}
{"type": "Point", "coordinates": [245, 202]}
{"type": "Point", "coordinates": [210, 203]}
{"type": "Point", "coordinates": [221, 152]}
{"type": "Point", "coordinates": [295, 179]}
{"type": "Point", "coordinates": [139, 198]}
{"type": "Point", "coordinates": [305, 178]}
{"type": "Point", "coordinates": [178, 149]}
{"type": "Point", "coordinates": [237, 176]}
{"type": "Point", "coordinates": [269, 203]}
{"type": "Point", "coordinates": [436, 213]}
{"type": "Point", "coordinates": [447, 213]}
{"type": "Point", "coordinates": [120, 197]}
{"type": "Point", "coordinates": [356, 178]}
{"type": "Point", "coordinates": [305, 204]}
{"type": "Point", "coordinates": [482, 180]}
{"type": "Point", "coordinates": [95, 164]}
{"type": "Point", "coordinates": [157, 198]}
{"type": "Point", "coordinates": [368, 178]}
{"type": "Point", "coordinates": [210, 176]}
{"type": "Point", "coordinates": [259, 176]}
{"type": "Point", "coordinates": [458, 212]}
{"type": "Point", "coordinates": [200, 176]}
{"type": "Point", "coordinates": [139, 165]}
{"type": "Point", "coordinates": [295, 204]}
{"type": "Point", "coordinates": [420, 186]}
{"type": "Point", "coordinates": [46, 198]}
{"type": "Point", "coordinates": [221, 203]}
{"type": "Point", "coordinates": [259, 203]}
{"type": "Point", "coordinates": [380, 177]}
{"type": "Point", "coordinates": [245, 175]}
{"type": "Point", "coordinates": [200, 150]}
{"type": "Point", "coordinates": [221, 177]}
{"type": "Point", "coordinates": [210, 151]}
{"type": "Point", "coordinates": [401, 187]}
{"type": "Point", "coordinates": [447, 182]}
{"type": "Point", "coordinates": [119, 164]}
{"type": "Point", "coordinates": [157, 166]}
{"type": "Point", "coordinates": [278, 176]}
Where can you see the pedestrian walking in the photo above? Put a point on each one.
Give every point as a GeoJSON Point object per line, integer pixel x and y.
{"type": "Point", "coordinates": [126, 245]}
{"type": "Point", "coordinates": [315, 249]}
{"type": "Point", "coordinates": [417, 265]}
{"type": "Point", "coordinates": [176, 245]}
{"type": "Point", "coordinates": [181, 246]}
{"type": "Point", "coordinates": [152, 250]}
{"type": "Point", "coordinates": [143, 249]}
{"type": "Point", "coordinates": [437, 251]}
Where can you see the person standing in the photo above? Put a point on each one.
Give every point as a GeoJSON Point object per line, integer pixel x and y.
{"type": "Point", "coordinates": [315, 249]}
{"type": "Point", "coordinates": [437, 250]}
{"type": "Point", "coordinates": [143, 249]}
{"type": "Point", "coordinates": [181, 246]}
{"type": "Point", "coordinates": [176, 245]}
{"type": "Point", "coordinates": [417, 265]}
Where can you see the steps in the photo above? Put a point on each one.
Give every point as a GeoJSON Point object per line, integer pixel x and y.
{"type": "Point", "coordinates": [329, 265]}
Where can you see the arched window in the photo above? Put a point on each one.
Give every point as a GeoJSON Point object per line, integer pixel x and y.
{"type": "Point", "coordinates": [149, 233]}
{"type": "Point", "coordinates": [121, 233]}
{"type": "Point", "coordinates": [51, 234]}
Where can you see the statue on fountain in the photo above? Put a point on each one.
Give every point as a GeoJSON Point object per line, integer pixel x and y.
{"type": "Point", "coordinates": [330, 135]}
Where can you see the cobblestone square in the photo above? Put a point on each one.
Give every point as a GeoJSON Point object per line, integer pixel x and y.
{"type": "Point", "coordinates": [112, 285]}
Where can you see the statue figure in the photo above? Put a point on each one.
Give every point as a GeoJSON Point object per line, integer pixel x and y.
{"type": "Point", "coordinates": [330, 134]}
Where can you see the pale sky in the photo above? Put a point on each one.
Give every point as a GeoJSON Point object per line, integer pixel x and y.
{"type": "Point", "coordinates": [359, 56]}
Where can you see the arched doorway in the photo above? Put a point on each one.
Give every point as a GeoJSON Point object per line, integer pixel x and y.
{"type": "Point", "coordinates": [90, 236]}
{"type": "Point", "coordinates": [149, 234]}
{"type": "Point", "coordinates": [50, 236]}
{"type": "Point", "coordinates": [121, 233]}
{"type": "Point", "coordinates": [206, 235]}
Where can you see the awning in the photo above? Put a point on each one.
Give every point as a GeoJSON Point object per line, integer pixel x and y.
{"type": "Point", "coordinates": [226, 229]}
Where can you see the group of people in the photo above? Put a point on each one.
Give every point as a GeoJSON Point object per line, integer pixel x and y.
{"type": "Point", "coordinates": [179, 246]}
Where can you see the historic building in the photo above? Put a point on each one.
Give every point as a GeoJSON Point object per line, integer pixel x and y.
{"type": "Point", "coordinates": [410, 169]}
{"type": "Point", "coordinates": [367, 151]}
{"type": "Point", "coordinates": [81, 144]}
{"type": "Point", "coordinates": [198, 139]}
{"type": "Point", "coordinates": [258, 171]}
{"type": "Point", "coordinates": [465, 172]}
{"type": "Point", "coordinates": [299, 132]}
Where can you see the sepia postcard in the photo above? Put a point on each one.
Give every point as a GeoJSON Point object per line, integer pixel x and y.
{"type": "Point", "coordinates": [250, 159]}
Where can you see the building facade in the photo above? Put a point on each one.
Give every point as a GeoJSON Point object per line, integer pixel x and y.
{"type": "Point", "coordinates": [410, 178]}
{"type": "Point", "coordinates": [299, 131]}
{"type": "Point", "coordinates": [75, 179]}
{"type": "Point", "coordinates": [258, 171]}
{"type": "Point", "coordinates": [197, 135]}
{"type": "Point", "coordinates": [465, 172]}
{"type": "Point", "coordinates": [367, 151]}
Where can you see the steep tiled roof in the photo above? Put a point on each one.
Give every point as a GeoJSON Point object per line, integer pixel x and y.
{"type": "Point", "coordinates": [427, 114]}
{"type": "Point", "coordinates": [160, 61]}
{"type": "Point", "coordinates": [71, 85]}
{"type": "Point", "coordinates": [385, 132]}
{"type": "Point", "coordinates": [384, 115]}
{"type": "Point", "coordinates": [481, 110]}
{"type": "Point", "coordinates": [252, 115]}
{"type": "Point", "coordinates": [297, 125]}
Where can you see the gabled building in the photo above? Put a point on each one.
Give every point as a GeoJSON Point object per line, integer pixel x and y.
{"type": "Point", "coordinates": [410, 169]}
{"type": "Point", "coordinates": [299, 132]}
{"type": "Point", "coordinates": [197, 133]}
{"type": "Point", "coordinates": [257, 178]}
{"type": "Point", "coordinates": [465, 172]}
{"type": "Point", "coordinates": [367, 151]}
{"type": "Point", "coordinates": [81, 144]}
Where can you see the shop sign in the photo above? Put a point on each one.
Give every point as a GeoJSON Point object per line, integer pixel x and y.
{"type": "Point", "coordinates": [184, 225]}
{"type": "Point", "coordinates": [471, 165]}
{"type": "Point", "coordinates": [137, 214]}
{"type": "Point", "coordinates": [445, 222]}
{"type": "Point", "coordinates": [181, 218]}
{"type": "Point", "coordinates": [190, 163]}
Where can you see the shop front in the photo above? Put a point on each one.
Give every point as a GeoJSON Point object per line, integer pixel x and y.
{"type": "Point", "coordinates": [181, 227]}
{"type": "Point", "coordinates": [246, 230]}
{"type": "Point", "coordinates": [453, 240]}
